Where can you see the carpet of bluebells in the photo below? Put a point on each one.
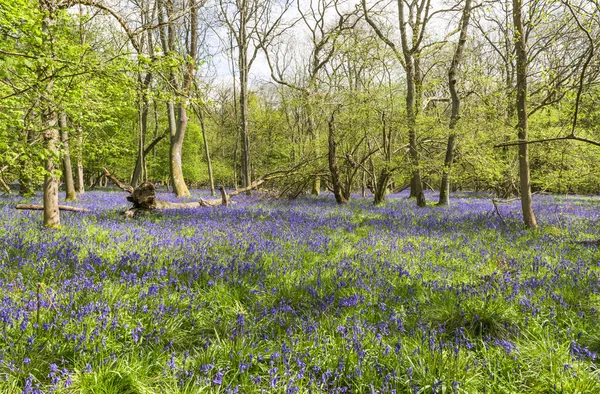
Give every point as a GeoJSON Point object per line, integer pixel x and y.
{"type": "Point", "coordinates": [301, 296]}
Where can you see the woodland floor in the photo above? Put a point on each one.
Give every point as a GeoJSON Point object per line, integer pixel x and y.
{"type": "Point", "coordinates": [301, 296]}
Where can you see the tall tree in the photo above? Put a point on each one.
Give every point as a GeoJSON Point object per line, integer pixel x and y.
{"type": "Point", "coordinates": [522, 127]}
{"type": "Point", "coordinates": [177, 111]}
{"type": "Point", "coordinates": [455, 100]}
{"type": "Point", "coordinates": [412, 32]}
{"type": "Point", "coordinates": [49, 114]}
{"type": "Point", "coordinates": [253, 24]}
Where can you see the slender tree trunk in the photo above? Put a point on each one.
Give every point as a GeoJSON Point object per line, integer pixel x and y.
{"type": "Point", "coordinates": [312, 132]}
{"type": "Point", "coordinates": [155, 126]}
{"type": "Point", "coordinates": [80, 180]}
{"type": "Point", "coordinates": [416, 185]}
{"type": "Point", "coordinates": [235, 114]}
{"type": "Point", "coordinates": [522, 127]}
{"type": "Point", "coordinates": [243, 65]}
{"type": "Point", "coordinates": [363, 184]}
{"type": "Point", "coordinates": [244, 138]}
{"type": "Point", "coordinates": [333, 168]}
{"type": "Point", "coordinates": [207, 153]}
{"type": "Point", "coordinates": [67, 169]}
{"type": "Point", "coordinates": [80, 186]}
{"type": "Point", "coordinates": [140, 163]}
{"type": "Point", "coordinates": [382, 182]}
{"type": "Point", "coordinates": [455, 116]}
{"type": "Point", "coordinates": [235, 166]}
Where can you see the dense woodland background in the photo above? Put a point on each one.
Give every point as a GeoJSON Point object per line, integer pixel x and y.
{"type": "Point", "coordinates": [315, 95]}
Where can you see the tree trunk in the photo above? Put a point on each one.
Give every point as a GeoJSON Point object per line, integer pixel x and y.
{"type": "Point", "coordinates": [416, 186]}
{"type": "Point", "coordinates": [445, 186]}
{"type": "Point", "coordinates": [80, 180]}
{"type": "Point", "coordinates": [522, 127]}
{"type": "Point", "coordinates": [244, 138]}
{"type": "Point", "coordinates": [333, 168]}
{"type": "Point", "coordinates": [177, 126]}
{"type": "Point", "coordinates": [207, 152]}
{"type": "Point", "coordinates": [381, 187]}
{"type": "Point", "coordinates": [49, 120]}
{"type": "Point", "coordinates": [67, 169]}
{"type": "Point", "coordinates": [381, 183]}
{"type": "Point", "coordinates": [140, 163]}
{"type": "Point", "coordinates": [363, 184]}
{"type": "Point", "coordinates": [235, 166]}
{"type": "Point", "coordinates": [454, 117]}
{"type": "Point", "coordinates": [316, 186]}
{"type": "Point", "coordinates": [312, 132]}
{"type": "Point", "coordinates": [179, 186]}
{"type": "Point", "coordinates": [243, 72]}
{"type": "Point", "coordinates": [176, 145]}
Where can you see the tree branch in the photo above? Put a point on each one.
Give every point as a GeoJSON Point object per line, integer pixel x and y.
{"type": "Point", "coordinates": [568, 137]}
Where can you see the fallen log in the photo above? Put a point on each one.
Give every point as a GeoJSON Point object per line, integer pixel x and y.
{"type": "Point", "coordinates": [40, 207]}
{"type": "Point", "coordinates": [144, 196]}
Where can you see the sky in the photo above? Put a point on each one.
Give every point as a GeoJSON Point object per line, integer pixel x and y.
{"type": "Point", "coordinates": [218, 64]}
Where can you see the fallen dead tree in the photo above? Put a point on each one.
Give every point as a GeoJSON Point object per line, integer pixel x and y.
{"type": "Point", "coordinates": [40, 207]}
{"type": "Point", "coordinates": [144, 196]}
{"type": "Point", "coordinates": [144, 199]}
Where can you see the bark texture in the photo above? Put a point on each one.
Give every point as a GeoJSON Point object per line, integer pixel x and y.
{"type": "Point", "coordinates": [49, 120]}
